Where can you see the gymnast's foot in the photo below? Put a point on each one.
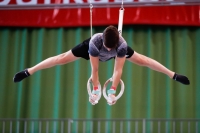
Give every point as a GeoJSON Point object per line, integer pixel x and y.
{"type": "Point", "coordinates": [182, 79]}
{"type": "Point", "coordinates": [21, 75]}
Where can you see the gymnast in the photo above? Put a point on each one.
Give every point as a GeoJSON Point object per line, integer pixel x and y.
{"type": "Point", "coordinates": [103, 47]}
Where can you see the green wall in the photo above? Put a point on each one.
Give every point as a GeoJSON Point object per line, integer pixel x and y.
{"type": "Point", "coordinates": [60, 92]}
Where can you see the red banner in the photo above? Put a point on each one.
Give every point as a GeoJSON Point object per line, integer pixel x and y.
{"type": "Point", "coordinates": [154, 15]}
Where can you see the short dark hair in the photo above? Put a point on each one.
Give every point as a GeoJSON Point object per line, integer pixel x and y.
{"type": "Point", "coordinates": [111, 37]}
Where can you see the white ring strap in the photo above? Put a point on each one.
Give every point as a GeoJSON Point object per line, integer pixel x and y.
{"type": "Point", "coordinates": [120, 23]}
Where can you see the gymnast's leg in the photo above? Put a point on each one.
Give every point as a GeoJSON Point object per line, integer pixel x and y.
{"type": "Point", "coordinates": [80, 50]}
{"type": "Point", "coordinates": [154, 65]}
{"type": "Point", "coordinates": [49, 62]}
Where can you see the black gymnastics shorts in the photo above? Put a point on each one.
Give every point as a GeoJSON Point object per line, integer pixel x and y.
{"type": "Point", "coordinates": [81, 50]}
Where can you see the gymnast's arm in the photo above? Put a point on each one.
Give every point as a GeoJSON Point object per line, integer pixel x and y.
{"type": "Point", "coordinates": [94, 61]}
{"type": "Point", "coordinates": [118, 69]}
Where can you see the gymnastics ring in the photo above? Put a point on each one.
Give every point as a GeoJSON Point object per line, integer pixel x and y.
{"type": "Point", "coordinates": [109, 100]}
{"type": "Point", "coordinates": [92, 99]}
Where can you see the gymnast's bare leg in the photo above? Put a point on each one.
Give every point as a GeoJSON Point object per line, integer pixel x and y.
{"type": "Point", "coordinates": [47, 63]}
{"type": "Point", "coordinates": [154, 65]}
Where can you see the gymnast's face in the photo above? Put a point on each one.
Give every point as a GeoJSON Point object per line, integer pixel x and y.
{"type": "Point", "coordinates": [110, 37]}
{"type": "Point", "coordinates": [107, 47]}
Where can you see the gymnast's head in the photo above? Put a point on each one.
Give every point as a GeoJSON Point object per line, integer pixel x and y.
{"type": "Point", "coordinates": [111, 37]}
